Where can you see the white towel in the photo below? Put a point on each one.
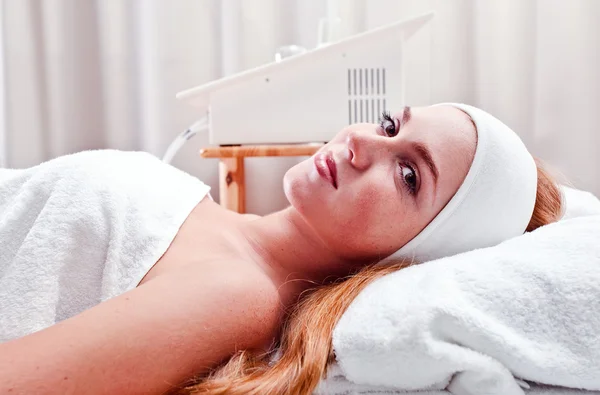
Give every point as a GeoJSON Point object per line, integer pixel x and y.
{"type": "Point", "coordinates": [579, 203]}
{"type": "Point", "coordinates": [337, 384]}
{"type": "Point", "coordinates": [83, 228]}
{"type": "Point", "coordinates": [526, 309]}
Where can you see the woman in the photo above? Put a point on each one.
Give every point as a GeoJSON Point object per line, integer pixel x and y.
{"type": "Point", "coordinates": [402, 189]}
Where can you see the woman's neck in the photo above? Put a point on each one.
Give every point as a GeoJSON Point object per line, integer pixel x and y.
{"type": "Point", "coordinates": [291, 253]}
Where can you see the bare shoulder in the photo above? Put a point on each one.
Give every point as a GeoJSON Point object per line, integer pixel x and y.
{"type": "Point", "coordinates": [149, 339]}
{"type": "Point", "coordinates": [247, 297]}
{"type": "Point", "coordinates": [242, 297]}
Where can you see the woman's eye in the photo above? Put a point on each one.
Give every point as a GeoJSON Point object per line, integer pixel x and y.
{"type": "Point", "coordinates": [388, 124]}
{"type": "Point", "coordinates": [409, 177]}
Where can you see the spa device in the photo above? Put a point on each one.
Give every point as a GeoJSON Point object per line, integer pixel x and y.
{"type": "Point", "coordinates": [310, 96]}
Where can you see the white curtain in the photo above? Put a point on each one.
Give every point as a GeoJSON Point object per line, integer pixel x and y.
{"type": "Point", "coordinates": [81, 74]}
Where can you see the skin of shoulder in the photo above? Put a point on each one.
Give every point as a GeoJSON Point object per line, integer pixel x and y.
{"type": "Point", "coordinates": [149, 339]}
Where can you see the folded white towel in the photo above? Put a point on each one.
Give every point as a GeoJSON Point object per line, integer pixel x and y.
{"type": "Point", "coordinates": [528, 308]}
{"type": "Point", "coordinates": [337, 384]}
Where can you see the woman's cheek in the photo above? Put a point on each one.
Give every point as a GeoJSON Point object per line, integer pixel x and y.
{"type": "Point", "coordinates": [370, 205]}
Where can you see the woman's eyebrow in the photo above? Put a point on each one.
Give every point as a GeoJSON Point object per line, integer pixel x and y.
{"type": "Point", "coordinates": [421, 149]}
{"type": "Point", "coordinates": [405, 116]}
{"type": "Point", "coordinates": [425, 155]}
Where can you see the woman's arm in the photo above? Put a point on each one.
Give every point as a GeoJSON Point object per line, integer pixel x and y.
{"type": "Point", "coordinates": [147, 340]}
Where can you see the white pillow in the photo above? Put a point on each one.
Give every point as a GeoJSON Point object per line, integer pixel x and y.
{"type": "Point", "coordinates": [579, 203]}
{"type": "Point", "coordinates": [473, 323]}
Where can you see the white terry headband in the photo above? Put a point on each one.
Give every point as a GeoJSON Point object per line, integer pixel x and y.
{"type": "Point", "coordinates": [495, 201]}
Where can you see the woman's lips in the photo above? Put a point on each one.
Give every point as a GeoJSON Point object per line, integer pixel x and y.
{"type": "Point", "coordinates": [332, 168]}
{"type": "Point", "coordinates": [326, 167]}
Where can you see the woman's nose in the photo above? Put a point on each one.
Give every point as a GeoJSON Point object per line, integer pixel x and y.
{"type": "Point", "coordinates": [363, 146]}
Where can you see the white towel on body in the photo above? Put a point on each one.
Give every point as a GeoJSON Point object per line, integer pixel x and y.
{"type": "Point", "coordinates": [83, 228]}
{"type": "Point", "coordinates": [480, 322]}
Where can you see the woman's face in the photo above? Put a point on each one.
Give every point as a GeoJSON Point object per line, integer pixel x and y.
{"type": "Point", "coordinates": [373, 188]}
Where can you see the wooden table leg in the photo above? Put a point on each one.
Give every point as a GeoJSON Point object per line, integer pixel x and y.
{"type": "Point", "coordinates": [231, 184]}
{"type": "Point", "coordinates": [231, 167]}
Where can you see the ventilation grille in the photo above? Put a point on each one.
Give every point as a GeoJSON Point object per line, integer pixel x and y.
{"type": "Point", "coordinates": [366, 94]}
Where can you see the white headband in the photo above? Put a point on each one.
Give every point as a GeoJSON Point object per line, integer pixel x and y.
{"type": "Point", "coordinates": [495, 201]}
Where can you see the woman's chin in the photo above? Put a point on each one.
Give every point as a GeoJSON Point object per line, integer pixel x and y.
{"type": "Point", "coordinates": [308, 199]}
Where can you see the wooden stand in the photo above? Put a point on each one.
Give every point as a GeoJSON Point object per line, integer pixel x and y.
{"type": "Point", "coordinates": [231, 167]}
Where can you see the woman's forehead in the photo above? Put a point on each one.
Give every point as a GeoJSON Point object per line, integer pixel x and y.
{"type": "Point", "coordinates": [443, 122]}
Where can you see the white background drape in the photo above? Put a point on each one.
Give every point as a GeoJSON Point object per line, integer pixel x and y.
{"type": "Point", "coordinates": [81, 74]}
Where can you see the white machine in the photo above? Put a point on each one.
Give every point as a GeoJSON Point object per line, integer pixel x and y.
{"type": "Point", "coordinates": [310, 96]}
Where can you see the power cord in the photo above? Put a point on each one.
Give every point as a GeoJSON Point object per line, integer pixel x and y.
{"type": "Point", "coordinates": [175, 146]}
